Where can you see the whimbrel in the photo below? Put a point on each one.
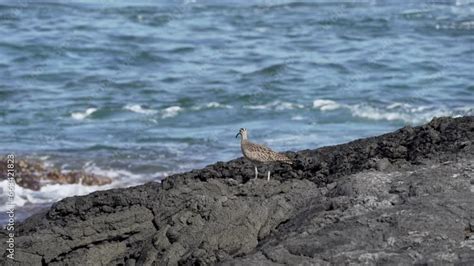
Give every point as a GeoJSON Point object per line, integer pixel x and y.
{"type": "Point", "coordinates": [258, 153]}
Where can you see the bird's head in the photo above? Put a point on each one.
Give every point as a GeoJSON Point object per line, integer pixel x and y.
{"type": "Point", "coordinates": [242, 133]}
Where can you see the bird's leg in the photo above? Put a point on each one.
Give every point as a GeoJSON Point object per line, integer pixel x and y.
{"type": "Point", "coordinates": [256, 171]}
{"type": "Point", "coordinates": [268, 178]}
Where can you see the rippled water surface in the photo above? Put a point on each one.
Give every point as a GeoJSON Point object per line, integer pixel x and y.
{"type": "Point", "coordinates": [141, 91]}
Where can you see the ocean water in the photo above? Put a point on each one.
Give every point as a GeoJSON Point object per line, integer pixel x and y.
{"type": "Point", "coordinates": [141, 91]}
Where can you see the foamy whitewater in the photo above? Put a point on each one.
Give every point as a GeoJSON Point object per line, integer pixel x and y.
{"type": "Point", "coordinates": [395, 111]}
{"type": "Point", "coordinates": [140, 90]}
{"type": "Point", "coordinates": [83, 115]}
{"type": "Point", "coordinates": [139, 109]}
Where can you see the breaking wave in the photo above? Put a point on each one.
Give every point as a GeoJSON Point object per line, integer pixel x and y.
{"type": "Point", "coordinates": [394, 111]}
{"type": "Point", "coordinates": [83, 115]}
{"type": "Point", "coordinates": [139, 109]}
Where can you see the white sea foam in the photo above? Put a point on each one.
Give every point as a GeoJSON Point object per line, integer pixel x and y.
{"type": "Point", "coordinates": [393, 111]}
{"type": "Point", "coordinates": [217, 105]}
{"type": "Point", "coordinates": [139, 109]}
{"type": "Point", "coordinates": [288, 106]}
{"type": "Point", "coordinates": [406, 107]}
{"type": "Point", "coordinates": [122, 177]}
{"type": "Point", "coordinates": [373, 113]}
{"type": "Point", "coordinates": [82, 116]}
{"type": "Point", "coordinates": [115, 174]}
{"type": "Point", "coordinates": [407, 113]}
{"type": "Point", "coordinates": [211, 105]}
{"type": "Point", "coordinates": [297, 118]}
{"type": "Point", "coordinates": [171, 111]}
{"type": "Point", "coordinates": [276, 105]}
{"type": "Point", "coordinates": [48, 193]}
{"type": "Point", "coordinates": [325, 105]}
{"type": "Point", "coordinates": [465, 110]}
{"type": "Point", "coordinates": [398, 105]}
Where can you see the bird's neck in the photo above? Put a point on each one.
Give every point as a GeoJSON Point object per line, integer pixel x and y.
{"type": "Point", "coordinates": [243, 139]}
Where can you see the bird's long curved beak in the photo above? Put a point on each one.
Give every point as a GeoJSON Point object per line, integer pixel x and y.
{"type": "Point", "coordinates": [237, 135]}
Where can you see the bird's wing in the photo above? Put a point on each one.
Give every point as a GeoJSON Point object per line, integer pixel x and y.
{"type": "Point", "coordinates": [260, 148]}
{"type": "Point", "coordinates": [263, 153]}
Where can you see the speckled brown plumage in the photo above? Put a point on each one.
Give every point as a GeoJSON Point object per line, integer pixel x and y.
{"type": "Point", "coordinates": [261, 154]}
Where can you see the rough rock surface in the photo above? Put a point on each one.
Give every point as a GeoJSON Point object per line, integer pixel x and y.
{"type": "Point", "coordinates": [401, 198]}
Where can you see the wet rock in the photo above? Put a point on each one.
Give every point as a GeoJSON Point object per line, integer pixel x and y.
{"type": "Point", "coordinates": [33, 174]}
{"type": "Point", "coordinates": [400, 198]}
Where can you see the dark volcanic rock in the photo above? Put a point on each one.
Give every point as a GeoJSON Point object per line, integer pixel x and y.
{"type": "Point", "coordinates": [402, 198]}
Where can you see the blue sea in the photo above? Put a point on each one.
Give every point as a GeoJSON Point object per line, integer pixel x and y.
{"type": "Point", "coordinates": [138, 91]}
